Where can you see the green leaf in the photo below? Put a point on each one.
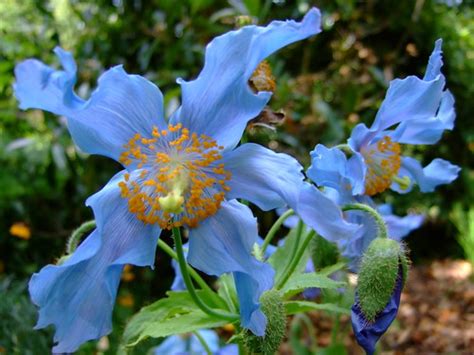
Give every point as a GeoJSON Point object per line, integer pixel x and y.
{"type": "Point", "coordinates": [299, 282]}
{"type": "Point", "coordinates": [253, 6]}
{"type": "Point", "coordinates": [174, 314]}
{"type": "Point", "coordinates": [295, 307]}
{"type": "Point", "coordinates": [280, 259]}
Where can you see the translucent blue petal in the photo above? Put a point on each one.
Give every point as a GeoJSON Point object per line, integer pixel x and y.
{"type": "Point", "coordinates": [223, 243]}
{"type": "Point", "coordinates": [400, 227]}
{"type": "Point", "coordinates": [360, 137]}
{"type": "Point", "coordinates": [353, 247]}
{"type": "Point", "coordinates": [78, 296]}
{"type": "Point", "coordinates": [121, 106]}
{"type": "Point", "coordinates": [219, 103]}
{"type": "Point", "coordinates": [438, 172]}
{"type": "Point", "coordinates": [231, 349]}
{"type": "Point", "coordinates": [435, 62]}
{"type": "Point", "coordinates": [330, 168]}
{"type": "Point", "coordinates": [178, 281]}
{"type": "Point", "coordinates": [40, 86]}
{"type": "Point", "coordinates": [368, 333]}
{"type": "Point", "coordinates": [413, 98]}
{"type": "Point", "coordinates": [428, 130]}
{"type": "Point", "coordinates": [263, 177]}
{"type": "Point", "coordinates": [323, 215]}
{"type": "Point", "coordinates": [189, 344]}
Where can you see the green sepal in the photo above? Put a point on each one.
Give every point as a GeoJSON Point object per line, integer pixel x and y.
{"type": "Point", "coordinates": [378, 275]}
{"type": "Point", "coordinates": [175, 314]}
{"type": "Point", "coordinates": [323, 253]}
{"type": "Point", "coordinates": [272, 306]}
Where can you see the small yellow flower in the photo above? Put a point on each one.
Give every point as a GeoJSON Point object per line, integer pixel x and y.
{"type": "Point", "coordinates": [20, 230]}
{"type": "Point", "coordinates": [126, 300]}
{"type": "Point", "coordinates": [128, 274]}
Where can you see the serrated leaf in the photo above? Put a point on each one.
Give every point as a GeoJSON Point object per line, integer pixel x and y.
{"type": "Point", "coordinates": [295, 307]}
{"type": "Point", "coordinates": [299, 282]}
{"type": "Point", "coordinates": [174, 314]}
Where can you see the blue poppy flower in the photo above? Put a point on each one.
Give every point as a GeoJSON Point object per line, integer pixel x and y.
{"type": "Point", "coordinates": [189, 344]}
{"type": "Point", "coordinates": [367, 332]}
{"type": "Point", "coordinates": [184, 172]}
{"type": "Point", "coordinates": [415, 111]}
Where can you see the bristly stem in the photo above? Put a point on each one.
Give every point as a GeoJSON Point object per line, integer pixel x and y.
{"type": "Point", "coordinates": [276, 226]}
{"type": "Point", "coordinates": [379, 221]}
{"type": "Point", "coordinates": [77, 235]}
{"type": "Point", "coordinates": [183, 266]}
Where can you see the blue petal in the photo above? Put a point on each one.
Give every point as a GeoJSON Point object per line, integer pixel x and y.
{"type": "Point", "coordinates": [121, 106]}
{"type": "Point", "coordinates": [178, 281]}
{"type": "Point", "coordinates": [292, 221]}
{"type": "Point", "coordinates": [263, 177]}
{"type": "Point", "coordinates": [323, 215]}
{"type": "Point", "coordinates": [189, 344]}
{"type": "Point", "coordinates": [438, 172]}
{"type": "Point", "coordinates": [40, 86]}
{"type": "Point", "coordinates": [413, 98]}
{"type": "Point", "coordinates": [223, 243]}
{"type": "Point", "coordinates": [400, 227]}
{"type": "Point", "coordinates": [219, 103]}
{"type": "Point", "coordinates": [330, 168]}
{"type": "Point", "coordinates": [430, 129]}
{"type": "Point", "coordinates": [78, 296]}
{"type": "Point", "coordinates": [353, 247]}
{"type": "Point", "coordinates": [435, 62]}
{"type": "Point", "coordinates": [368, 333]}
{"type": "Point", "coordinates": [231, 349]}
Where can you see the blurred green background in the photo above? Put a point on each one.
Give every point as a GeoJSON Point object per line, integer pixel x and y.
{"type": "Point", "coordinates": [325, 86]}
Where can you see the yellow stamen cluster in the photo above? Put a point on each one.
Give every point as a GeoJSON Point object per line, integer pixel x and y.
{"type": "Point", "coordinates": [178, 178]}
{"type": "Point", "coordinates": [383, 163]}
{"type": "Point", "coordinates": [262, 78]}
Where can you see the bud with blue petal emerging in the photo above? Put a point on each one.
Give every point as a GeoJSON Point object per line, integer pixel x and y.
{"type": "Point", "coordinates": [272, 307]}
{"type": "Point", "coordinates": [382, 274]}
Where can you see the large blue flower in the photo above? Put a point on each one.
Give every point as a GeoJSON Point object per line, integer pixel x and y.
{"type": "Point", "coordinates": [415, 111]}
{"type": "Point", "coordinates": [184, 172]}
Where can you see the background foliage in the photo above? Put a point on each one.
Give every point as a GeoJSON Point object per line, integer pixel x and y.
{"type": "Point", "coordinates": [325, 86]}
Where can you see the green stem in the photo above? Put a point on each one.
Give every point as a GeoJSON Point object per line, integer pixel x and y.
{"type": "Point", "coordinates": [379, 221]}
{"type": "Point", "coordinates": [345, 148]}
{"type": "Point", "coordinates": [276, 226]}
{"type": "Point", "coordinates": [189, 283]}
{"type": "Point", "coordinates": [168, 250]}
{"type": "Point", "coordinates": [295, 261]}
{"type": "Point", "coordinates": [203, 343]}
{"type": "Point", "coordinates": [77, 235]}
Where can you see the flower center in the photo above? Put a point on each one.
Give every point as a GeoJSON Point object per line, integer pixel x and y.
{"type": "Point", "coordinates": [178, 177]}
{"type": "Point", "coordinates": [383, 162]}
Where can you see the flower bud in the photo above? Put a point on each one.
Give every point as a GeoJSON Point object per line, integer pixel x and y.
{"type": "Point", "coordinates": [272, 307]}
{"type": "Point", "coordinates": [382, 274]}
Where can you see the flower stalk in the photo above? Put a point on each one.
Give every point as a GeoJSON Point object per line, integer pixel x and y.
{"type": "Point", "coordinates": [183, 266]}
{"type": "Point", "coordinates": [276, 226]}
{"type": "Point", "coordinates": [379, 221]}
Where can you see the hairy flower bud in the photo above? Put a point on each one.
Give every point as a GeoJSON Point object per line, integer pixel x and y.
{"type": "Point", "coordinates": [272, 307]}
{"type": "Point", "coordinates": [382, 275]}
